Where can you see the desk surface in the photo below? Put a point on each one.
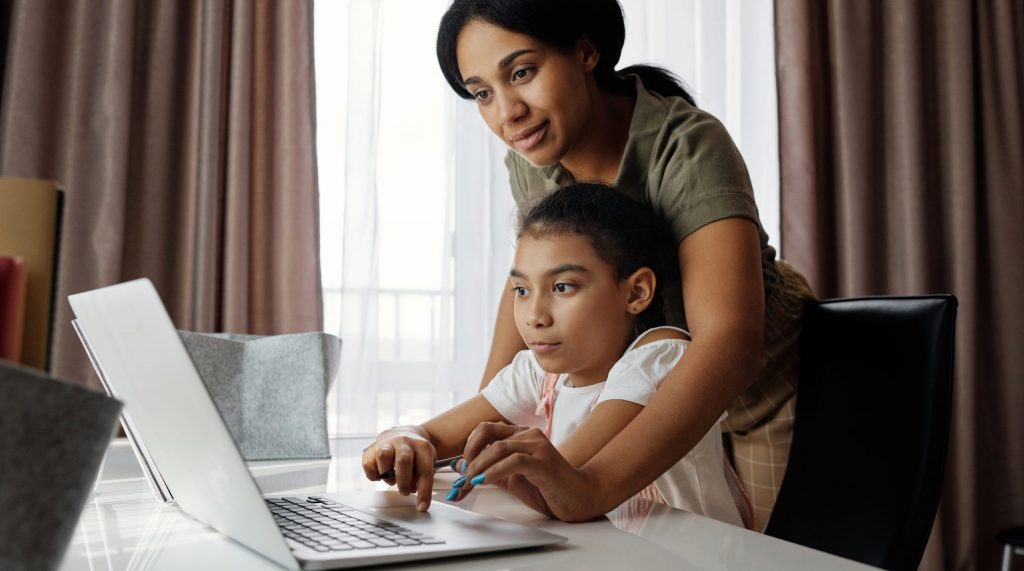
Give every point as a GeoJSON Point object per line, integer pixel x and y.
{"type": "Point", "coordinates": [124, 527]}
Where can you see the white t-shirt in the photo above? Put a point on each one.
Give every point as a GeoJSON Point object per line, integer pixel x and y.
{"type": "Point", "coordinates": [697, 483]}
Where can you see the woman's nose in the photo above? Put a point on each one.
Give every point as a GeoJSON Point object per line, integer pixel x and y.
{"type": "Point", "coordinates": [510, 108]}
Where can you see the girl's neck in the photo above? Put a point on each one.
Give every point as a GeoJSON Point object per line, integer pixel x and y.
{"type": "Point", "coordinates": [597, 373]}
{"type": "Point", "coordinates": [597, 154]}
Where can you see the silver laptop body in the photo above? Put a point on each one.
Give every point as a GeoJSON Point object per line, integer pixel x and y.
{"type": "Point", "coordinates": [136, 349]}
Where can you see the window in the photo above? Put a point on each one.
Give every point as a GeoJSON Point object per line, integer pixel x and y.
{"type": "Point", "coordinates": [416, 213]}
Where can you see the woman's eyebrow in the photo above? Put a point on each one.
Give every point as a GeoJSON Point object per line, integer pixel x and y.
{"type": "Point", "coordinates": [505, 62]}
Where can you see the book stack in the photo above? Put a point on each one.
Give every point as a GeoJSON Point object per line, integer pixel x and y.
{"type": "Point", "coordinates": [30, 223]}
{"type": "Point", "coordinates": [13, 283]}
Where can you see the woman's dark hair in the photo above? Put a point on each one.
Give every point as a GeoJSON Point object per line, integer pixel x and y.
{"type": "Point", "coordinates": [560, 23]}
{"type": "Point", "coordinates": [622, 232]}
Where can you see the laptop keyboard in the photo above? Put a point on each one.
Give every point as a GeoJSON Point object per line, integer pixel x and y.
{"type": "Point", "coordinates": [324, 525]}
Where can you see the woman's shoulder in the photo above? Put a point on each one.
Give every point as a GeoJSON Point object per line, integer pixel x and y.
{"type": "Point", "coordinates": [530, 182]}
{"type": "Point", "coordinates": [676, 146]}
{"type": "Point", "coordinates": [673, 117]}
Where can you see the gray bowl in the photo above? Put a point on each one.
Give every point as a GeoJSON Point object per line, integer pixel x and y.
{"type": "Point", "coordinates": [52, 439]}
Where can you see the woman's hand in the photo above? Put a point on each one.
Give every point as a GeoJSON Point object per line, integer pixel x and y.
{"type": "Point", "coordinates": [523, 462]}
{"type": "Point", "coordinates": [407, 451]}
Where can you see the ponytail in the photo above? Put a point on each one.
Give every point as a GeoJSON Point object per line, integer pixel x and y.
{"type": "Point", "coordinates": [659, 80]}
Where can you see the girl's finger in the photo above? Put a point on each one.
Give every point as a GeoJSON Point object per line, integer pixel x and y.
{"type": "Point", "coordinates": [424, 479]}
{"type": "Point", "coordinates": [405, 457]}
{"type": "Point", "coordinates": [385, 458]}
{"type": "Point", "coordinates": [369, 461]}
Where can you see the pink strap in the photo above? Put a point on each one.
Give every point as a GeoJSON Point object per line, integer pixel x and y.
{"type": "Point", "coordinates": [739, 495]}
{"type": "Point", "coordinates": [546, 406]}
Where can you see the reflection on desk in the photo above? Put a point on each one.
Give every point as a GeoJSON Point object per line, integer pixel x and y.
{"type": "Point", "coordinates": [124, 527]}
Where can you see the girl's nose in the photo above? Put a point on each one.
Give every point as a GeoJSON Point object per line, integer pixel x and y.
{"type": "Point", "coordinates": [538, 315]}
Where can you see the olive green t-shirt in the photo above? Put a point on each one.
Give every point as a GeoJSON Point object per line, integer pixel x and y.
{"type": "Point", "coordinates": [680, 161]}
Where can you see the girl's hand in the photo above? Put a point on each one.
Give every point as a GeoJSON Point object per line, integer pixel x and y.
{"type": "Point", "coordinates": [411, 455]}
{"type": "Point", "coordinates": [523, 462]}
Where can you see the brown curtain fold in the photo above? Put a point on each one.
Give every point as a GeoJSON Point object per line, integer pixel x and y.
{"type": "Point", "coordinates": [901, 131]}
{"type": "Point", "coordinates": [183, 133]}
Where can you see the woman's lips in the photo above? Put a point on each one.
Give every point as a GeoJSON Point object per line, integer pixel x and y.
{"type": "Point", "coordinates": [544, 348]}
{"type": "Point", "coordinates": [530, 138]}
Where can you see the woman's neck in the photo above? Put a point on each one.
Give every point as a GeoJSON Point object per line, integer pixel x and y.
{"type": "Point", "coordinates": [597, 154]}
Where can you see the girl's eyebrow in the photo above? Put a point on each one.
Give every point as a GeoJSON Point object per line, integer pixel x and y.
{"type": "Point", "coordinates": [505, 62]}
{"type": "Point", "coordinates": [564, 268]}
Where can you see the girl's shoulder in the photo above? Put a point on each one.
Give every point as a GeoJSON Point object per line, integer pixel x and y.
{"type": "Point", "coordinates": [649, 358]}
{"type": "Point", "coordinates": [663, 333]}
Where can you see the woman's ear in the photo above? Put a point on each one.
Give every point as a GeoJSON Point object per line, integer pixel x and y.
{"type": "Point", "coordinates": [641, 290]}
{"type": "Point", "coordinates": [588, 53]}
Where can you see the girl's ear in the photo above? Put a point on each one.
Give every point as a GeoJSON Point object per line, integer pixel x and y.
{"type": "Point", "coordinates": [588, 53]}
{"type": "Point", "coordinates": [641, 290]}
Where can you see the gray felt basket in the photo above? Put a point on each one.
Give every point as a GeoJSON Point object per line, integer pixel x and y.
{"type": "Point", "coordinates": [271, 391]}
{"type": "Point", "coordinates": [52, 439]}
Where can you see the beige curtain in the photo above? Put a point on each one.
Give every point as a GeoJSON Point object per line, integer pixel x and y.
{"type": "Point", "coordinates": [902, 161]}
{"type": "Point", "coordinates": [183, 133]}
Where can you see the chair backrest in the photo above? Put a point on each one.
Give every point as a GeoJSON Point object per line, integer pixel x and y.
{"type": "Point", "coordinates": [872, 425]}
{"type": "Point", "coordinates": [30, 223]}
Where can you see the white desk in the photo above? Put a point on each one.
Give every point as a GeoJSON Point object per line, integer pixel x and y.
{"type": "Point", "coordinates": [124, 527]}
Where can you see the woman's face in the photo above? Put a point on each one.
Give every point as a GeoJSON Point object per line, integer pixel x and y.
{"type": "Point", "coordinates": [532, 95]}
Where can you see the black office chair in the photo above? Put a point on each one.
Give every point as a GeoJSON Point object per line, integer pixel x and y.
{"type": "Point", "coordinates": [872, 425]}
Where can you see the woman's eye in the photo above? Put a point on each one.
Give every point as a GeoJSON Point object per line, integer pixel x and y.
{"type": "Point", "coordinates": [519, 291]}
{"type": "Point", "coordinates": [564, 288]}
{"type": "Point", "coordinates": [521, 74]}
{"type": "Point", "coordinates": [482, 95]}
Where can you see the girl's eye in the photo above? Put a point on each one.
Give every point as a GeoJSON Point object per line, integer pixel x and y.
{"type": "Point", "coordinates": [564, 288]}
{"type": "Point", "coordinates": [519, 291]}
{"type": "Point", "coordinates": [481, 95]}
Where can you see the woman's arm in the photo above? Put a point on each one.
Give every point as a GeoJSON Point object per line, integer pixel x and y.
{"type": "Point", "coordinates": [609, 417]}
{"type": "Point", "coordinates": [507, 341]}
{"type": "Point", "coordinates": [724, 300]}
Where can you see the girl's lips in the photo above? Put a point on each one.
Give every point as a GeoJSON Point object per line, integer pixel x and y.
{"type": "Point", "coordinates": [544, 348]}
{"type": "Point", "coordinates": [533, 139]}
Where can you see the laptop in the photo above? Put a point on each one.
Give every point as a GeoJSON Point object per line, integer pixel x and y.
{"type": "Point", "coordinates": [136, 350]}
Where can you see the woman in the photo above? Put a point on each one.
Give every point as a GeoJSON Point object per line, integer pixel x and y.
{"type": "Point", "coordinates": [543, 76]}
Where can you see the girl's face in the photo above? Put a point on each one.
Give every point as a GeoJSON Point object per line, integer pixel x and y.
{"type": "Point", "coordinates": [532, 95]}
{"type": "Point", "coordinates": [570, 309]}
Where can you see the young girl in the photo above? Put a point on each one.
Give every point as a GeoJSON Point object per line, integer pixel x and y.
{"type": "Point", "coordinates": [586, 304]}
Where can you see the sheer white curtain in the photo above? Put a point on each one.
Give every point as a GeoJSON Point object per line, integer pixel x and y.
{"type": "Point", "coordinates": [724, 50]}
{"type": "Point", "coordinates": [416, 212]}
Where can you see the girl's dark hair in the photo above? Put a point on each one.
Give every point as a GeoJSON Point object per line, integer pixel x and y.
{"type": "Point", "coordinates": [560, 23]}
{"type": "Point", "coordinates": [622, 232]}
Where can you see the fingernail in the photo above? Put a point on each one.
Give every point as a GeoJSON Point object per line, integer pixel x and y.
{"type": "Point", "coordinates": [454, 464]}
{"type": "Point", "coordinates": [478, 479]}
{"type": "Point", "coordinates": [464, 466]}
{"type": "Point", "coordinates": [422, 506]}
{"type": "Point", "coordinates": [452, 494]}
{"type": "Point", "coordinates": [459, 483]}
